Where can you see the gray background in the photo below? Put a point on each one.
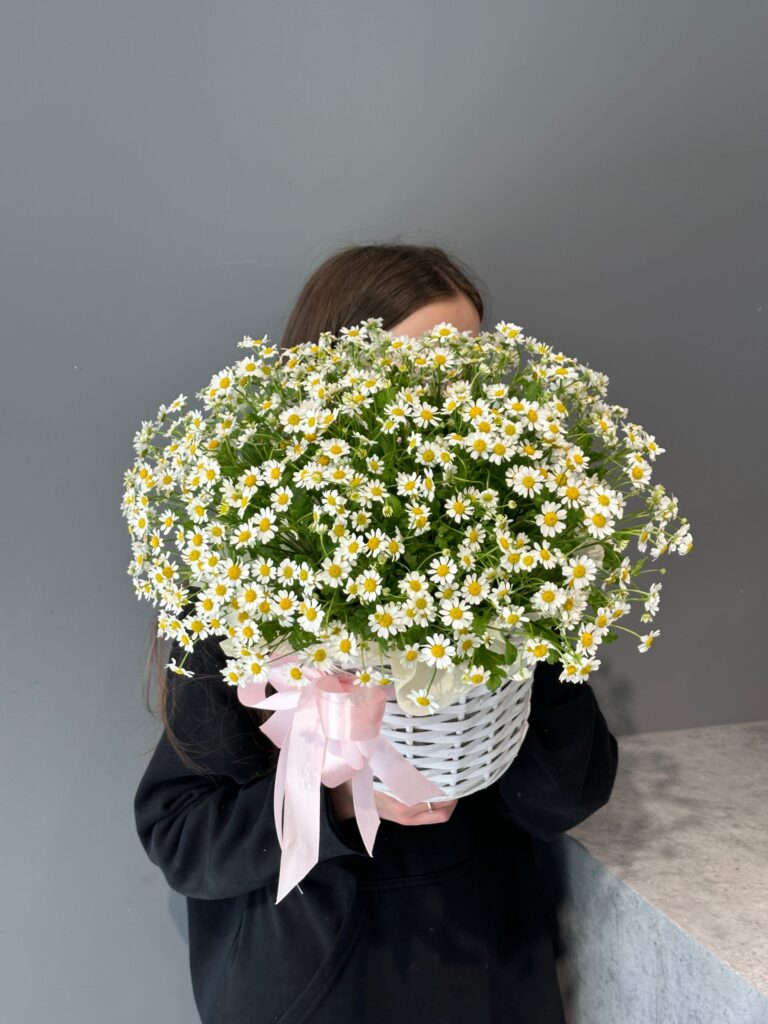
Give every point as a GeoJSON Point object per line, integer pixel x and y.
{"type": "Point", "coordinates": [171, 173]}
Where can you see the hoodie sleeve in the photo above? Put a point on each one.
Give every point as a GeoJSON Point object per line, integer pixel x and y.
{"type": "Point", "coordinates": [566, 766]}
{"type": "Point", "coordinates": [213, 835]}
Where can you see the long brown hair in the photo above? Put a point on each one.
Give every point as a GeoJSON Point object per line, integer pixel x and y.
{"type": "Point", "coordinates": [391, 280]}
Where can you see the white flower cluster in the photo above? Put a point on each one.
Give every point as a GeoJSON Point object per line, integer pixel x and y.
{"type": "Point", "coordinates": [438, 495]}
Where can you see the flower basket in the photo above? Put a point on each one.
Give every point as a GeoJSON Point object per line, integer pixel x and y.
{"type": "Point", "coordinates": [467, 745]}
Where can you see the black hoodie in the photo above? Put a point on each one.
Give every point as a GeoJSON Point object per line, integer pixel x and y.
{"type": "Point", "coordinates": [446, 924]}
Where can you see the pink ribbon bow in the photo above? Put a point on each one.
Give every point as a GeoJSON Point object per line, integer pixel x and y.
{"type": "Point", "coordinates": [328, 731]}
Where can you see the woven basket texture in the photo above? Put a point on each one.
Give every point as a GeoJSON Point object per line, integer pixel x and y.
{"type": "Point", "coordinates": [467, 746]}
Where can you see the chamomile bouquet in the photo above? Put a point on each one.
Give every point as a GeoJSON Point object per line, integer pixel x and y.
{"type": "Point", "coordinates": [459, 503]}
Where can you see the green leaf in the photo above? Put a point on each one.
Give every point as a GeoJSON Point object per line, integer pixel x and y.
{"type": "Point", "coordinates": [485, 658]}
{"type": "Point", "coordinates": [396, 504]}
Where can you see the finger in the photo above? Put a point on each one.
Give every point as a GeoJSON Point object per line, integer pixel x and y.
{"type": "Point", "coordinates": [433, 817]}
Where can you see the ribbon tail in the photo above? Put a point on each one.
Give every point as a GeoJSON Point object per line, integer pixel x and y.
{"type": "Point", "coordinates": [363, 799]}
{"type": "Point", "coordinates": [304, 764]}
{"type": "Point", "coordinates": [279, 794]}
{"type": "Point", "coordinates": [397, 773]}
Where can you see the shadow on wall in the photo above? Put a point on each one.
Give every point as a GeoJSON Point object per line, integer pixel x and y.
{"type": "Point", "coordinates": [616, 699]}
{"type": "Point", "coordinates": [177, 908]}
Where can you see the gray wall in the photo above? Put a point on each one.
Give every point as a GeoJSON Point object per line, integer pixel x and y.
{"type": "Point", "coordinates": [171, 172]}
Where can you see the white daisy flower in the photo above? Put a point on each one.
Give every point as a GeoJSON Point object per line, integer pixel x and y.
{"type": "Point", "coordinates": [581, 572]}
{"type": "Point", "coordinates": [375, 541]}
{"type": "Point", "coordinates": [394, 546]}
{"type": "Point", "coordinates": [425, 415]}
{"type": "Point", "coordinates": [476, 676]}
{"type": "Point", "coordinates": [438, 651]}
{"type": "Point", "coordinates": [398, 411]}
{"type": "Point", "coordinates": [271, 472]}
{"type": "Point", "coordinates": [474, 588]}
{"type": "Point", "coordinates": [233, 674]}
{"type": "Point", "coordinates": [280, 499]}
{"type": "Point", "coordinates": [548, 598]}
{"type": "Point", "coordinates": [446, 591]}
{"type": "Point", "coordinates": [305, 575]}
{"type": "Point", "coordinates": [295, 675]}
{"type": "Point", "coordinates": [420, 610]}
{"type": "Point", "coordinates": [418, 517]}
{"type": "Point", "coordinates": [264, 608]}
{"type": "Point", "coordinates": [287, 571]}
{"type": "Point", "coordinates": [647, 640]}
{"type": "Point", "coordinates": [651, 603]}
{"type": "Point", "coordinates": [428, 454]}
{"type": "Point", "coordinates": [444, 330]}
{"type": "Point", "coordinates": [409, 485]}
{"type": "Point", "coordinates": [369, 585]}
{"type": "Point", "coordinates": [263, 523]}
{"type": "Point", "coordinates": [598, 524]}
{"type": "Point", "coordinates": [410, 653]}
{"type": "Point", "coordinates": [311, 615]}
{"type": "Point", "coordinates": [385, 621]}
{"type": "Point", "coordinates": [589, 637]}
{"type": "Point", "coordinates": [367, 676]}
{"type": "Point", "coordinates": [285, 604]}
{"type": "Point", "coordinates": [466, 642]}
{"type": "Point", "coordinates": [551, 518]}
{"type": "Point", "coordinates": [456, 614]}
{"type": "Point", "coordinates": [357, 333]}
{"type": "Point", "coordinates": [459, 507]}
{"type": "Point", "coordinates": [262, 569]}
{"type": "Point", "coordinates": [345, 647]}
{"type": "Point", "coordinates": [334, 571]}
{"type": "Point", "coordinates": [536, 649]}
{"type": "Point", "coordinates": [292, 419]}
{"type": "Point", "coordinates": [474, 535]}
{"type": "Point", "coordinates": [178, 669]}
{"type": "Point", "coordinates": [428, 484]}
{"type": "Point", "coordinates": [638, 470]}
{"type": "Point", "coordinates": [414, 583]}
{"type": "Point", "coordinates": [500, 451]}
{"type": "Point", "coordinates": [524, 480]}
{"type": "Point", "coordinates": [477, 444]}
{"type": "Point", "coordinates": [465, 558]}
{"type": "Point", "coordinates": [442, 569]}
{"type": "Point", "coordinates": [586, 667]}
{"type": "Point", "coordinates": [423, 700]}
{"type": "Point", "coordinates": [319, 657]}
{"type": "Point", "coordinates": [335, 447]}
{"type": "Point", "coordinates": [221, 385]}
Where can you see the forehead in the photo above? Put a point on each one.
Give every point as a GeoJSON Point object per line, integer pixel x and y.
{"type": "Point", "coordinates": [458, 310]}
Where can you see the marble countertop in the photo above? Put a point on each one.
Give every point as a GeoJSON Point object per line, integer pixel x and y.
{"type": "Point", "coordinates": [687, 828]}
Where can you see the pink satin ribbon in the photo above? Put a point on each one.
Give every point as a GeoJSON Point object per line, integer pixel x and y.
{"type": "Point", "coordinates": [328, 731]}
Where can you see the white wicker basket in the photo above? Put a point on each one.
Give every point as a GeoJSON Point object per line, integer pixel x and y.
{"type": "Point", "coordinates": [469, 744]}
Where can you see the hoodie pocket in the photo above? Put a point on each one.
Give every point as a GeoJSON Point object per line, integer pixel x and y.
{"type": "Point", "coordinates": [336, 956]}
{"type": "Point", "coordinates": [284, 956]}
